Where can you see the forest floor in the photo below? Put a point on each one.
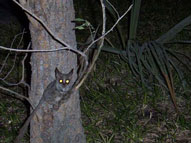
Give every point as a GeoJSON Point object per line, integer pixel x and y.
{"type": "Point", "coordinates": [117, 109]}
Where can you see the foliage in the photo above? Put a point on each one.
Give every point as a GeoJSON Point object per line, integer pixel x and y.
{"type": "Point", "coordinates": [151, 57]}
{"type": "Point", "coordinates": [85, 24]}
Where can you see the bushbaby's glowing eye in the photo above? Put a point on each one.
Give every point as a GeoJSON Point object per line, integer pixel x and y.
{"type": "Point", "coordinates": [60, 81]}
{"type": "Point", "coordinates": [67, 81]}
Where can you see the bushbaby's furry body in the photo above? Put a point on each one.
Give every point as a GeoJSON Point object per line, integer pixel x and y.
{"type": "Point", "coordinates": [53, 94]}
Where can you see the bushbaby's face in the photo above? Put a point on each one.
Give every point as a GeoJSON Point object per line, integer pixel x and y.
{"type": "Point", "coordinates": [63, 81]}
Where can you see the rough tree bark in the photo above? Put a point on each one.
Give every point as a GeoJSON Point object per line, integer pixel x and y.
{"type": "Point", "coordinates": [64, 125]}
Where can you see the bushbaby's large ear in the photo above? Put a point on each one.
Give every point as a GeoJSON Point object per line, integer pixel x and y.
{"type": "Point", "coordinates": [57, 73]}
{"type": "Point", "coordinates": [71, 72]}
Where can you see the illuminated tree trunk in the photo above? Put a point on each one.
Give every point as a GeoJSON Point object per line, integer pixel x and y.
{"type": "Point", "coordinates": [63, 125]}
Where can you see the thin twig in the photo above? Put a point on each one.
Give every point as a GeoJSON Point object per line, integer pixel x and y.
{"type": "Point", "coordinates": [92, 36]}
{"type": "Point", "coordinates": [23, 66]}
{"type": "Point", "coordinates": [50, 50]}
{"type": "Point", "coordinates": [4, 62]}
{"type": "Point", "coordinates": [22, 81]}
{"type": "Point", "coordinates": [111, 29]}
{"type": "Point", "coordinates": [99, 49]}
{"type": "Point", "coordinates": [86, 73]}
{"type": "Point", "coordinates": [15, 37]}
{"type": "Point", "coordinates": [43, 24]}
{"type": "Point", "coordinates": [11, 67]}
{"type": "Point", "coordinates": [12, 43]}
{"type": "Point", "coordinates": [17, 94]}
{"type": "Point", "coordinates": [52, 34]}
{"type": "Point", "coordinates": [113, 8]}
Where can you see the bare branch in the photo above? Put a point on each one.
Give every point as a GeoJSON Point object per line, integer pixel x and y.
{"type": "Point", "coordinates": [12, 43]}
{"type": "Point", "coordinates": [99, 49]}
{"type": "Point", "coordinates": [22, 81]}
{"type": "Point", "coordinates": [86, 72]}
{"type": "Point", "coordinates": [11, 67]}
{"type": "Point", "coordinates": [23, 66]}
{"type": "Point", "coordinates": [15, 37]}
{"type": "Point", "coordinates": [87, 69]}
{"type": "Point", "coordinates": [111, 29]}
{"type": "Point", "coordinates": [16, 94]}
{"type": "Point", "coordinates": [52, 34]}
{"type": "Point", "coordinates": [6, 58]}
{"type": "Point", "coordinates": [90, 39]}
{"type": "Point", "coordinates": [51, 50]}
{"type": "Point", "coordinates": [23, 72]}
{"type": "Point", "coordinates": [113, 8]}
{"type": "Point", "coordinates": [43, 24]}
{"type": "Point", "coordinates": [4, 62]}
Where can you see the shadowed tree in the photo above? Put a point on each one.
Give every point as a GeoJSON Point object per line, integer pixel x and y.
{"type": "Point", "coordinates": [63, 125]}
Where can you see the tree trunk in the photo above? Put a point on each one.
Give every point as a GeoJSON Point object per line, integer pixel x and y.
{"type": "Point", "coordinates": [63, 125]}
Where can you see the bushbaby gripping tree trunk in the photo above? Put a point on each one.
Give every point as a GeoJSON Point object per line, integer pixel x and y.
{"type": "Point", "coordinates": [63, 125]}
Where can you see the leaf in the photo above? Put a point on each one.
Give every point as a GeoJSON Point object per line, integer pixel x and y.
{"type": "Point", "coordinates": [79, 20]}
{"type": "Point", "coordinates": [80, 27]}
